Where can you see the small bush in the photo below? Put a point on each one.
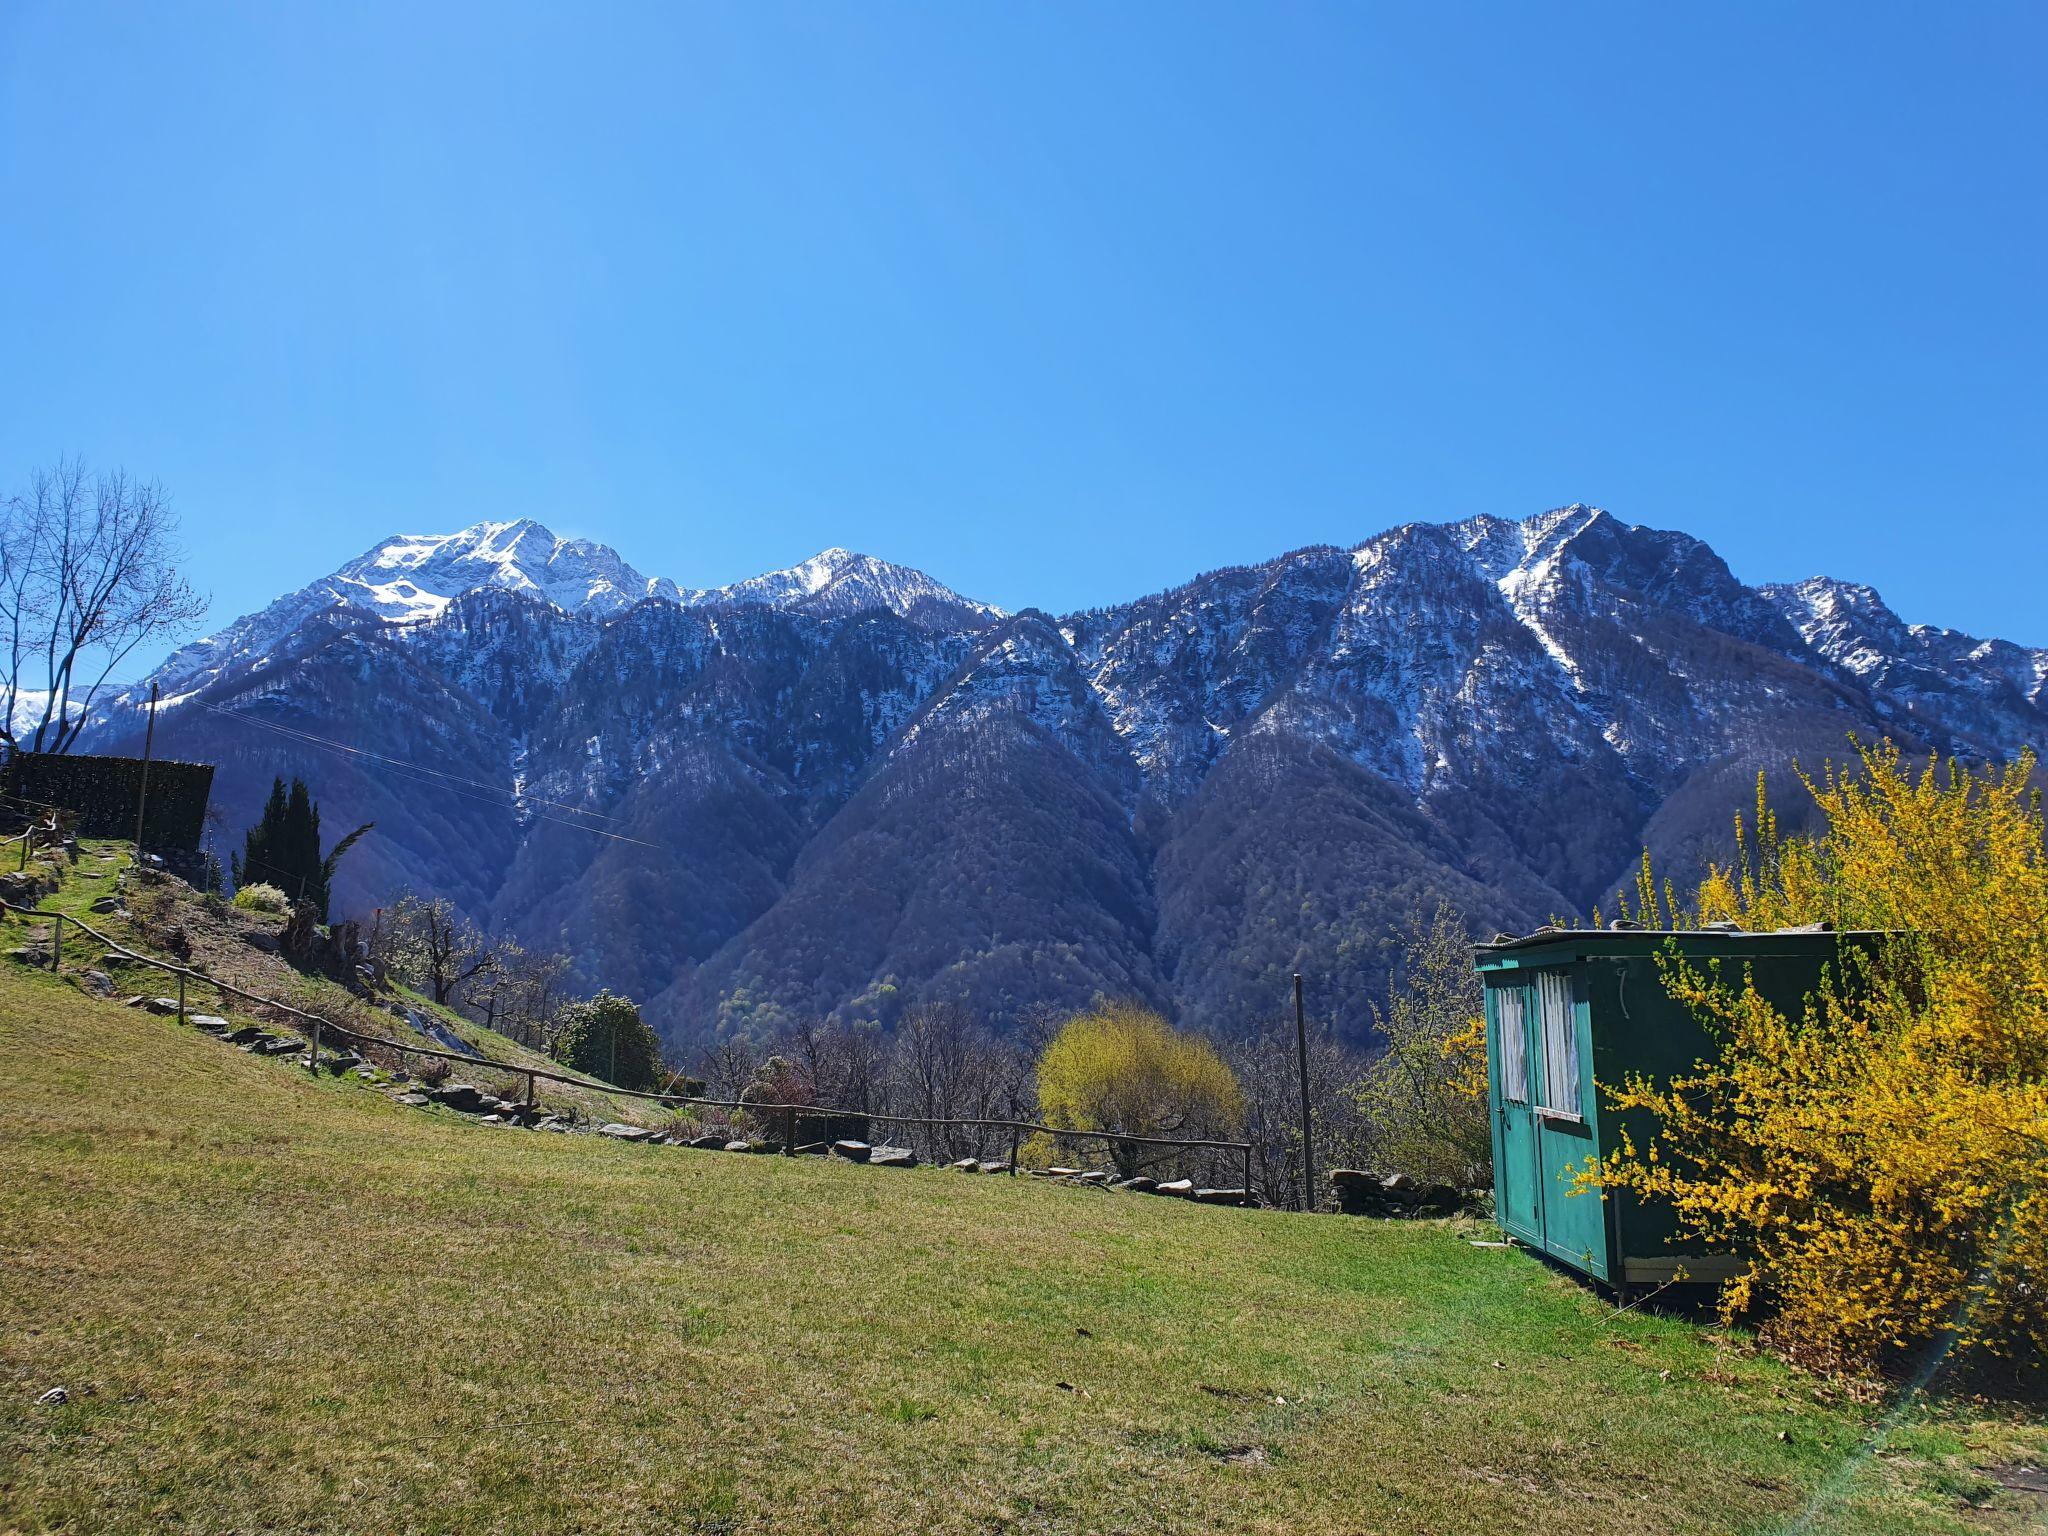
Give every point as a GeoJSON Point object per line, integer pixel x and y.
{"type": "Point", "coordinates": [262, 898]}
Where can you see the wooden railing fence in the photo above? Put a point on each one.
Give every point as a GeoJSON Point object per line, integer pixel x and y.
{"type": "Point", "coordinates": [321, 1027]}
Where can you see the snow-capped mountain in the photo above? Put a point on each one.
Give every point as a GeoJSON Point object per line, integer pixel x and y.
{"type": "Point", "coordinates": [838, 582]}
{"type": "Point", "coordinates": [839, 788]}
{"type": "Point", "coordinates": [1986, 696]}
{"type": "Point", "coordinates": [412, 577]}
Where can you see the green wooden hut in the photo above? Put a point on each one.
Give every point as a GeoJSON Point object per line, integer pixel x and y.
{"type": "Point", "coordinates": [1571, 1010]}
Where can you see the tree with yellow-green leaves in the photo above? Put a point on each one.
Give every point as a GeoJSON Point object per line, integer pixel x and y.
{"type": "Point", "coordinates": [1880, 1159]}
{"type": "Point", "coordinates": [1121, 1067]}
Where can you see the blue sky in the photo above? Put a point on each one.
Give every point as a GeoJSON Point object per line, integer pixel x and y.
{"type": "Point", "coordinates": [1061, 302]}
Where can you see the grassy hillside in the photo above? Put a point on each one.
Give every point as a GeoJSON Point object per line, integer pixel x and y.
{"type": "Point", "coordinates": [286, 1303]}
{"type": "Point", "coordinates": [169, 919]}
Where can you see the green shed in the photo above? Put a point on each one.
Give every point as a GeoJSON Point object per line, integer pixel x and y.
{"type": "Point", "coordinates": [1571, 1010]}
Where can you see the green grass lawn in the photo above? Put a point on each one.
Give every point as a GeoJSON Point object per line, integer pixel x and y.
{"type": "Point", "coordinates": [287, 1304]}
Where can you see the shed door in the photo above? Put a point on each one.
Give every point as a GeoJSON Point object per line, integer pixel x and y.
{"type": "Point", "coordinates": [1574, 1219]}
{"type": "Point", "coordinates": [1517, 1175]}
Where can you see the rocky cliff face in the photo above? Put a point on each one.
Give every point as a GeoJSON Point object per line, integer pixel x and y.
{"type": "Point", "coordinates": [843, 787]}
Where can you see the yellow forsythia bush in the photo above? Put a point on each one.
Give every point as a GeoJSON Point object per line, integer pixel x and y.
{"type": "Point", "coordinates": [1881, 1159]}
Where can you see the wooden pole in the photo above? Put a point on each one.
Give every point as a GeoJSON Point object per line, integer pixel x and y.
{"type": "Point", "coordinates": [142, 795]}
{"type": "Point", "coordinates": [1308, 1149]}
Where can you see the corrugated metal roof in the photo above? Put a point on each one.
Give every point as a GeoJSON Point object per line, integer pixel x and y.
{"type": "Point", "coordinates": [1552, 935]}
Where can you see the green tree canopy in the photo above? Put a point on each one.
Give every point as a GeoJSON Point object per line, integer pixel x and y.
{"type": "Point", "coordinates": [604, 1036]}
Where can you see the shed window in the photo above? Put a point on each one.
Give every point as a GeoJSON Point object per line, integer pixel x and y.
{"type": "Point", "coordinates": [1560, 1034]}
{"type": "Point", "coordinates": [1514, 1044]}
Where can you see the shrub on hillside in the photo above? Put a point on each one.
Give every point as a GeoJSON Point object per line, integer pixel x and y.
{"type": "Point", "coordinates": [604, 1036]}
{"type": "Point", "coordinates": [261, 897]}
{"type": "Point", "coordinates": [1878, 1158]}
{"type": "Point", "coordinates": [1121, 1067]}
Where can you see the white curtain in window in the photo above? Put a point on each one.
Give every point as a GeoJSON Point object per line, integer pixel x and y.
{"type": "Point", "coordinates": [1560, 1033]}
{"type": "Point", "coordinates": [1514, 1044]}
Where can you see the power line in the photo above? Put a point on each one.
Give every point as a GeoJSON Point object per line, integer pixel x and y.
{"type": "Point", "coordinates": [411, 772]}
{"type": "Point", "coordinates": [398, 762]}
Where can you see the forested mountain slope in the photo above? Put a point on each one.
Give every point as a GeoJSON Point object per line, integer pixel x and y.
{"type": "Point", "coordinates": [841, 788]}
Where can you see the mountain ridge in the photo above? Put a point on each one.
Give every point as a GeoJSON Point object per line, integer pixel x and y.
{"type": "Point", "coordinates": [848, 787]}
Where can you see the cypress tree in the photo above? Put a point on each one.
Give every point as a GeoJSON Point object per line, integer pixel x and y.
{"type": "Point", "coordinates": [283, 848]}
{"type": "Point", "coordinates": [261, 859]}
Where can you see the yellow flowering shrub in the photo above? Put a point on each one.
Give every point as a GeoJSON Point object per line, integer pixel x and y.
{"type": "Point", "coordinates": [1122, 1067]}
{"type": "Point", "coordinates": [1466, 1053]}
{"type": "Point", "coordinates": [1879, 1159]}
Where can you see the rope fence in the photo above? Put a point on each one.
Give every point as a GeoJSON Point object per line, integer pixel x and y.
{"type": "Point", "coordinates": [789, 1113]}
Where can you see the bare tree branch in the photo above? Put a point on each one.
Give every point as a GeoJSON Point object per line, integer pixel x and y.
{"type": "Point", "coordinates": [88, 573]}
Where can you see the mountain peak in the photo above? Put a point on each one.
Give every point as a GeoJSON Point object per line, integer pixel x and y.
{"type": "Point", "coordinates": [840, 582]}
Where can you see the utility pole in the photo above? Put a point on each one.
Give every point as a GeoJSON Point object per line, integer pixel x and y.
{"type": "Point", "coordinates": [1308, 1144]}
{"type": "Point", "coordinates": [142, 795]}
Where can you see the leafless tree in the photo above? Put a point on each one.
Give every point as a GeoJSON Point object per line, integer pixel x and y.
{"type": "Point", "coordinates": [728, 1067]}
{"type": "Point", "coordinates": [1267, 1062]}
{"type": "Point", "coordinates": [946, 1064]}
{"type": "Point", "coordinates": [88, 572]}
